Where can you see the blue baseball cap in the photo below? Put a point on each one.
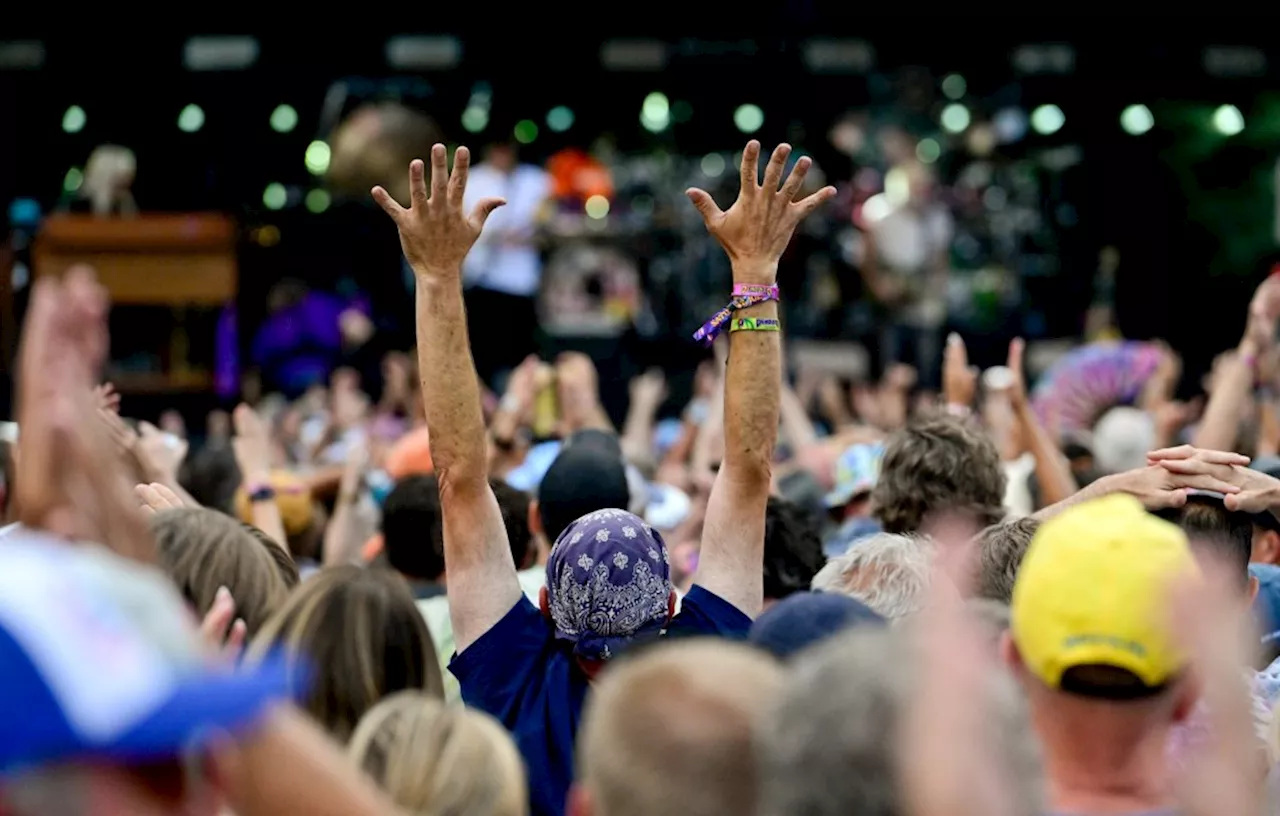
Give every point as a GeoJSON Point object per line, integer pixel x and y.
{"type": "Point", "coordinates": [99, 659]}
{"type": "Point", "coordinates": [857, 470]}
{"type": "Point", "coordinates": [1266, 606]}
{"type": "Point", "coordinates": [804, 618]}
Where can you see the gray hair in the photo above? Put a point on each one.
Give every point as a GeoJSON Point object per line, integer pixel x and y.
{"type": "Point", "coordinates": [887, 572]}
{"type": "Point", "coordinates": [829, 747]}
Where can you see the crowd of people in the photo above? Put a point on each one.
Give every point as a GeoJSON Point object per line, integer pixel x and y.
{"type": "Point", "coordinates": [802, 597]}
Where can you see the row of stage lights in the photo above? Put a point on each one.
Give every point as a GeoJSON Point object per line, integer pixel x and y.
{"type": "Point", "coordinates": [657, 114]}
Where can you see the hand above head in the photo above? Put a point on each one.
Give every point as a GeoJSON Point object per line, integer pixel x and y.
{"type": "Point", "coordinates": [1253, 491]}
{"type": "Point", "coordinates": [757, 228]}
{"type": "Point", "coordinates": [1017, 390]}
{"type": "Point", "coordinates": [650, 388]}
{"type": "Point", "coordinates": [435, 232]}
{"type": "Point", "coordinates": [252, 443]}
{"type": "Point", "coordinates": [959, 379]}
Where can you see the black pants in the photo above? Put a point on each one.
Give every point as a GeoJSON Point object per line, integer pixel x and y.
{"type": "Point", "coordinates": [502, 328]}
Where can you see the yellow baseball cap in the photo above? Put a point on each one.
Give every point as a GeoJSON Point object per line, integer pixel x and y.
{"type": "Point", "coordinates": [1093, 590]}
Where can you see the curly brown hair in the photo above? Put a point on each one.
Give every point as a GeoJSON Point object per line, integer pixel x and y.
{"type": "Point", "coordinates": [938, 464]}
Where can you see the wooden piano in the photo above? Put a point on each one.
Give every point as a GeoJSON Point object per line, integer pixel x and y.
{"type": "Point", "coordinates": [178, 261]}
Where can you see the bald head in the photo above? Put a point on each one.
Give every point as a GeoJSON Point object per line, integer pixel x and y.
{"type": "Point", "coordinates": [670, 732]}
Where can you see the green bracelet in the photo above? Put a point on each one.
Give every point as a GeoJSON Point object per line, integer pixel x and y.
{"type": "Point", "coordinates": [765, 324]}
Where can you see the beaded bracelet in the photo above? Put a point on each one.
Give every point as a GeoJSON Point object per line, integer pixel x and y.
{"type": "Point", "coordinates": [712, 328]}
{"type": "Point", "coordinates": [763, 324]}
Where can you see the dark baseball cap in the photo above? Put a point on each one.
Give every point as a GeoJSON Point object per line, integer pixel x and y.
{"type": "Point", "coordinates": [804, 618]}
{"type": "Point", "coordinates": [588, 474]}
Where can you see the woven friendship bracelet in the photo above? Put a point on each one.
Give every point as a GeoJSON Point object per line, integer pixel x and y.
{"type": "Point", "coordinates": [712, 328]}
{"type": "Point", "coordinates": [756, 290]}
{"type": "Point", "coordinates": [763, 324]}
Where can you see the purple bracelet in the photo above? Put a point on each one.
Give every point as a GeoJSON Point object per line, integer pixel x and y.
{"type": "Point", "coordinates": [712, 328]}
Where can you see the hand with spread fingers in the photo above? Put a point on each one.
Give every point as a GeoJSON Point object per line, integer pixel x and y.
{"type": "Point", "coordinates": [757, 228]}
{"type": "Point", "coordinates": [435, 232]}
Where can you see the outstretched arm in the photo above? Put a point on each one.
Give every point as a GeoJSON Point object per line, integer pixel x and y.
{"type": "Point", "coordinates": [754, 232]}
{"type": "Point", "coordinates": [436, 235]}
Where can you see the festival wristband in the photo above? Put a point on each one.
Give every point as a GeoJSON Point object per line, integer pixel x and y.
{"type": "Point", "coordinates": [760, 292]}
{"type": "Point", "coordinates": [762, 324]}
{"type": "Point", "coordinates": [712, 328]}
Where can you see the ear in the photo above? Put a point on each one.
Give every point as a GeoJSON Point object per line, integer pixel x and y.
{"type": "Point", "coordinates": [535, 518]}
{"type": "Point", "coordinates": [578, 802]}
{"type": "Point", "coordinates": [1186, 696]}
{"type": "Point", "coordinates": [1267, 550]}
{"type": "Point", "coordinates": [544, 603]}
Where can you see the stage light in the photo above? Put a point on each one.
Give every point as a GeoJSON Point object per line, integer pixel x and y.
{"type": "Point", "coordinates": [954, 86]}
{"type": "Point", "coordinates": [284, 118]}
{"type": "Point", "coordinates": [1137, 120]}
{"type": "Point", "coordinates": [1228, 120]}
{"type": "Point", "coordinates": [928, 151]}
{"type": "Point", "coordinates": [1010, 125]}
{"type": "Point", "coordinates": [559, 119]}
{"type": "Point", "coordinates": [597, 207]}
{"type": "Point", "coordinates": [655, 113]}
{"type": "Point", "coordinates": [1048, 119]}
{"type": "Point", "coordinates": [876, 208]}
{"type": "Point", "coordinates": [73, 179]}
{"type": "Point", "coordinates": [475, 119]}
{"type": "Point", "coordinates": [525, 131]}
{"type": "Point", "coordinates": [74, 119]}
{"type": "Point", "coordinates": [317, 201]}
{"type": "Point", "coordinates": [275, 196]}
{"type": "Point", "coordinates": [191, 119]}
{"type": "Point", "coordinates": [955, 118]}
{"type": "Point", "coordinates": [317, 157]}
{"type": "Point", "coordinates": [748, 118]}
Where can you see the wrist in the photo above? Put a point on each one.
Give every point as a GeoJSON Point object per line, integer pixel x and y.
{"type": "Point", "coordinates": [755, 273]}
{"type": "Point", "coordinates": [435, 276]}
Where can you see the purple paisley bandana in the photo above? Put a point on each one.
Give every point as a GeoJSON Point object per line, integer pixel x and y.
{"type": "Point", "coordinates": [608, 583]}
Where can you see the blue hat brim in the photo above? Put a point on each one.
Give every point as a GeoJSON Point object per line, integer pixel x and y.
{"type": "Point", "coordinates": [207, 704]}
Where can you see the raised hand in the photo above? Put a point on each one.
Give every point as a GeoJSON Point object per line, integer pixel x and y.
{"type": "Point", "coordinates": [435, 233]}
{"type": "Point", "coordinates": [959, 379]}
{"type": "Point", "coordinates": [222, 632]}
{"type": "Point", "coordinates": [757, 228]}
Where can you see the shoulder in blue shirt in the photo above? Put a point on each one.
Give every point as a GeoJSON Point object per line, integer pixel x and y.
{"type": "Point", "coordinates": [519, 673]}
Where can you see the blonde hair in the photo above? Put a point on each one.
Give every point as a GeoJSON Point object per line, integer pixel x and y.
{"type": "Point", "coordinates": [361, 635]}
{"type": "Point", "coordinates": [440, 760]}
{"type": "Point", "coordinates": [202, 550]}
{"type": "Point", "coordinates": [670, 731]}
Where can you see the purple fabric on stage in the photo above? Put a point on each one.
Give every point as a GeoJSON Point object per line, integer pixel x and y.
{"type": "Point", "coordinates": [300, 345]}
{"type": "Point", "coordinates": [226, 354]}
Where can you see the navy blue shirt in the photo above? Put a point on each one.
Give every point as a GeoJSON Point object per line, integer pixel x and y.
{"type": "Point", "coordinates": [518, 672]}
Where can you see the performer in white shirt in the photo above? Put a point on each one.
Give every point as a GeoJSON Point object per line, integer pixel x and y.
{"type": "Point", "coordinates": [504, 269]}
{"type": "Point", "coordinates": [906, 265]}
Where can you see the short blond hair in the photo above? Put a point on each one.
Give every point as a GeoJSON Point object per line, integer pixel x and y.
{"type": "Point", "coordinates": [435, 759]}
{"type": "Point", "coordinates": [670, 731]}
